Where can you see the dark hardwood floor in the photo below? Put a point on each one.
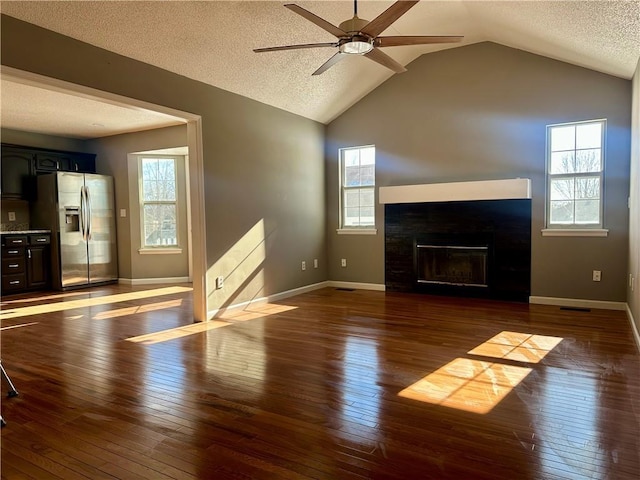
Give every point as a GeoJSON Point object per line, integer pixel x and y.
{"type": "Point", "coordinates": [331, 384]}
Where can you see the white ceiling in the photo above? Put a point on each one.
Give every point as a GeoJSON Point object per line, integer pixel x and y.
{"type": "Point", "coordinates": [212, 41]}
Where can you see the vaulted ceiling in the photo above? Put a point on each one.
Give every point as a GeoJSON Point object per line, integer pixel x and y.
{"type": "Point", "coordinates": [213, 41]}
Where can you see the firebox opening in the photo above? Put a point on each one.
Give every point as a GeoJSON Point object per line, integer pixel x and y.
{"type": "Point", "coordinates": [452, 265]}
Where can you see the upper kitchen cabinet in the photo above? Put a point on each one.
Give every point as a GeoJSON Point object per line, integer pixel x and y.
{"type": "Point", "coordinates": [64, 162]}
{"type": "Point", "coordinates": [21, 164]}
{"type": "Point", "coordinates": [16, 169]}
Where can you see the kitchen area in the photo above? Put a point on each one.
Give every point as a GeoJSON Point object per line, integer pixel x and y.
{"type": "Point", "coordinates": [58, 223]}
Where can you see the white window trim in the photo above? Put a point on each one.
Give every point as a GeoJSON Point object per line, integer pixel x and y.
{"type": "Point", "coordinates": [355, 230]}
{"type": "Point", "coordinates": [158, 249]}
{"type": "Point", "coordinates": [580, 230]}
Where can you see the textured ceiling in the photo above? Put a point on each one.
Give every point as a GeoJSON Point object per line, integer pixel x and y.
{"type": "Point", "coordinates": [212, 41]}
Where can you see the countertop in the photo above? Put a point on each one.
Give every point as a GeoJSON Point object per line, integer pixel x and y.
{"type": "Point", "coordinates": [23, 232]}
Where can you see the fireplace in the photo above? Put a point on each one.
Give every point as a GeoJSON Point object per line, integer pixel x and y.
{"type": "Point", "coordinates": [458, 265]}
{"type": "Point", "coordinates": [479, 248]}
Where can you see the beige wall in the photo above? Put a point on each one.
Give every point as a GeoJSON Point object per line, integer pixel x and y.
{"type": "Point", "coordinates": [263, 167]}
{"type": "Point", "coordinates": [633, 296]}
{"type": "Point", "coordinates": [112, 159]}
{"type": "Point", "coordinates": [479, 113]}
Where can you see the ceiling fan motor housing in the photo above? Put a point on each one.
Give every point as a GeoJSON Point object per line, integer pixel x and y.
{"type": "Point", "coordinates": [357, 43]}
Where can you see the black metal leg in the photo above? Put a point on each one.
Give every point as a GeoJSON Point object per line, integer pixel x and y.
{"type": "Point", "coordinates": [12, 389]}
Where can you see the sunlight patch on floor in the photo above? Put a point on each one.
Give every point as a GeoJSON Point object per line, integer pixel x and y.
{"type": "Point", "coordinates": [20, 325]}
{"type": "Point", "coordinates": [90, 302]}
{"type": "Point", "coordinates": [257, 311]}
{"type": "Point", "coordinates": [251, 313]}
{"type": "Point", "coordinates": [178, 332]}
{"type": "Point", "coordinates": [478, 386]}
{"type": "Point", "coordinates": [149, 307]}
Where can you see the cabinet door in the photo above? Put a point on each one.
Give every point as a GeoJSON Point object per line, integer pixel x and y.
{"type": "Point", "coordinates": [84, 163]}
{"type": "Point", "coordinates": [53, 162]}
{"type": "Point", "coordinates": [17, 181]}
{"type": "Point", "coordinates": [37, 266]}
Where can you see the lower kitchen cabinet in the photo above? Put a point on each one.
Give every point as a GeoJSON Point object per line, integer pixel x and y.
{"type": "Point", "coordinates": [25, 263]}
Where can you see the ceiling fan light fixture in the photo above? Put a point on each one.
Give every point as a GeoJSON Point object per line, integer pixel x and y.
{"type": "Point", "coordinates": [356, 46]}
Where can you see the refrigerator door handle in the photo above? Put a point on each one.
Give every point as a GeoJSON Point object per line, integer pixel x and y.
{"type": "Point", "coordinates": [83, 221]}
{"type": "Point", "coordinates": [89, 213]}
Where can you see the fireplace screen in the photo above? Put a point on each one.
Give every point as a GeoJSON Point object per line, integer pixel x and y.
{"type": "Point", "coordinates": [452, 265]}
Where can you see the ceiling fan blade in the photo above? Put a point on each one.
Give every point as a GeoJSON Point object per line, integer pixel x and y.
{"type": "Point", "coordinates": [295, 47]}
{"type": "Point", "coordinates": [379, 24]}
{"type": "Point", "coordinates": [415, 40]}
{"type": "Point", "coordinates": [329, 63]}
{"type": "Point", "coordinates": [382, 58]}
{"type": "Point", "coordinates": [321, 22]}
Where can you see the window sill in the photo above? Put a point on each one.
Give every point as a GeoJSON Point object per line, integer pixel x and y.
{"type": "Point", "coordinates": [575, 232]}
{"type": "Point", "coordinates": [160, 251]}
{"type": "Point", "coordinates": [357, 231]}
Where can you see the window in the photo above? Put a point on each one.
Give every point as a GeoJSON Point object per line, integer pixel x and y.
{"type": "Point", "coordinates": [357, 185]}
{"type": "Point", "coordinates": [158, 202]}
{"type": "Point", "coordinates": [575, 164]}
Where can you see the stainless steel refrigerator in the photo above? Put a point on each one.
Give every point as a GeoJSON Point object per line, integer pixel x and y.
{"type": "Point", "coordinates": [78, 208]}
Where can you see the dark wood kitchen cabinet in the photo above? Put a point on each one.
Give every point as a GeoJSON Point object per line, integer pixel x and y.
{"type": "Point", "coordinates": [25, 262]}
{"type": "Point", "coordinates": [17, 173]}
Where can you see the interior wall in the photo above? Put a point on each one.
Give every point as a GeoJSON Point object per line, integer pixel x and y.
{"type": "Point", "coordinates": [633, 295]}
{"type": "Point", "coordinates": [263, 167]}
{"type": "Point", "coordinates": [112, 157]}
{"type": "Point", "coordinates": [480, 113]}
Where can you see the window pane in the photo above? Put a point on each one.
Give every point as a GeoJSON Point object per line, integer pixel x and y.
{"type": "Point", "coordinates": [352, 177]}
{"type": "Point", "coordinates": [588, 160]}
{"type": "Point", "coordinates": [563, 138]}
{"type": "Point", "coordinates": [160, 225]}
{"type": "Point", "coordinates": [158, 179]}
{"type": "Point", "coordinates": [352, 217]}
{"type": "Point", "coordinates": [587, 188]}
{"type": "Point", "coordinates": [367, 156]}
{"type": "Point", "coordinates": [562, 189]}
{"type": "Point", "coordinates": [589, 135]}
{"type": "Point", "coordinates": [352, 198]}
{"type": "Point", "coordinates": [588, 211]}
{"type": "Point", "coordinates": [366, 197]}
{"type": "Point", "coordinates": [561, 212]}
{"type": "Point", "coordinates": [367, 175]}
{"type": "Point", "coordinates": [351, 157]}
{"type": "Point", "coordinates": [367, 216]}
{"type": "Point", "coordinates": [562, 162]}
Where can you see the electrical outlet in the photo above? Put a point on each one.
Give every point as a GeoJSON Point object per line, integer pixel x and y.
{"type": "Point", "coordinates": [597, 275]}
{"type": "Point", "coordinates": [12, 216]}
{"type": "Point", "coordinates": [343, 262]}
{"type": "Point", "coordinates": [304, 265]}
{"type": "Point", "coordinates": [315, 263]}
{"type": "Point", "coordinates": [219, 282]}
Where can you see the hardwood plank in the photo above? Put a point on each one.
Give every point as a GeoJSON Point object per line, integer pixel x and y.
{"type": "Point", "coordinates": [310, 388]}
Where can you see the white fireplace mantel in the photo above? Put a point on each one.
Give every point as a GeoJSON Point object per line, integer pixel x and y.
{"type": "Point", "coordinates": [457, 191]}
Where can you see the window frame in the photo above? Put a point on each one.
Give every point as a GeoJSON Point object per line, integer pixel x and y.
{"type": "Point", "coordinates": [568, 229]}
{"type": "Point", "coordinates": [167, 248]}
{"type": "Point", "coordinates": [354, 229]}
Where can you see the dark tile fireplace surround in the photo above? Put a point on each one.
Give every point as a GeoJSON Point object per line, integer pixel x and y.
{"type": "Point", "coordinates": [478, 248]}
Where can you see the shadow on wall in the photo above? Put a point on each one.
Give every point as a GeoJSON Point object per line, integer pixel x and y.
{"type": "Point", "coordinates": [241, 268]}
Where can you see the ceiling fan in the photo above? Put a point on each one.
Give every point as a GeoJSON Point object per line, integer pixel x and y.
{"type": "Point", "coordinates": [360, 37]}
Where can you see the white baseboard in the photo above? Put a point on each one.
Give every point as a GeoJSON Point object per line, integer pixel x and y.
{"type": "Point", "coordinates": [357, 286]}
{"type": "Point", "coordinates": [152, 281]}
{"type": "Point", "coordinates": [270, 298]}
{"type": "Point", "coordinates": [296, 291]}
{"type": "Point", "coordinates": [578, 302]}
{"type": "Point", "coordinates": [634, 327]}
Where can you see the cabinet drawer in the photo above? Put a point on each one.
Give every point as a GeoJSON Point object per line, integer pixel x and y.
{"type": "Point", "coordinates": [15, 241]}
{"type": "Point", "coordinates": [39, 239]}
{"type": "Point", "coordinates": [11, 252]}
{"type": "Point", "coordinates": [13, 282]}
{"type": "Point", "coordinates": [12, 266]}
